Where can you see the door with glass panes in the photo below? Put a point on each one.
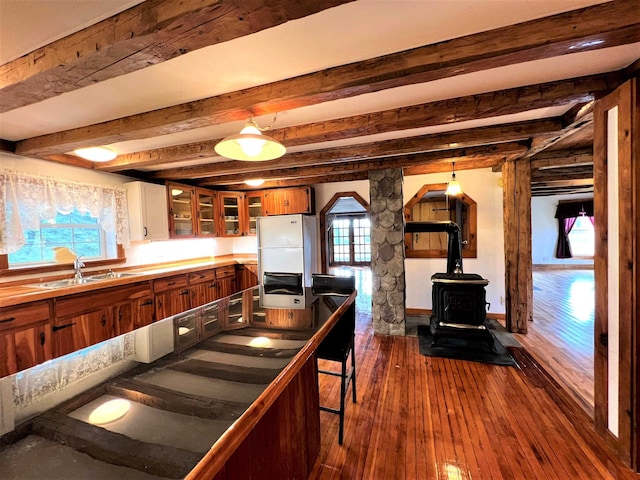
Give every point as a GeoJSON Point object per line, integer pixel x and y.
{"type": "Point", "coordinates": [350, 240]}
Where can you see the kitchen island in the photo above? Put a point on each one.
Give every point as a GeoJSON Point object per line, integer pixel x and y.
{"type": "Point", "coordinates": [238, 398]}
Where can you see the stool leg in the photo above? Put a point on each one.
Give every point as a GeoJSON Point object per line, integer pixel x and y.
{"type": "Point", "coordinates": [353, 373]}
{"type": "Point", "coordinates": [343, 393]}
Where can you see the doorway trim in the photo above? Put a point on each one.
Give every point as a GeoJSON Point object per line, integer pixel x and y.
{"type": "Point", "coordinates": [323, 222]}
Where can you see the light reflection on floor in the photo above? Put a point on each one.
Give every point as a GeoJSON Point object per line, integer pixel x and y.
{"type": "Point", "coordinates": [364, 281]}
{"type": "Point", "coordinates": [582, 299]}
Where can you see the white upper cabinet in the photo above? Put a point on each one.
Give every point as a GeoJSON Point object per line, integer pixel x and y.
{"type": "Point", "coordinates": [148, 215]}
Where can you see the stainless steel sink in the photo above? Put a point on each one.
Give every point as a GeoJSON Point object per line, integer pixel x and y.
{"type": "Point", "coordinates": [65, 282]}
{"type": "Point", "coordinates": [110, 275]}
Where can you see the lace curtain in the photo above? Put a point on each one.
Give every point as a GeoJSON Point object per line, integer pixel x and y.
{"type": "Point", "coordinates": [25, 200]}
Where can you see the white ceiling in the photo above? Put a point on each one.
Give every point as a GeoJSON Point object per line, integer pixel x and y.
{"type": "Point", "coordinates": [341, 35]}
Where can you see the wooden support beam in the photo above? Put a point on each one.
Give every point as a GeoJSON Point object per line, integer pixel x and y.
{"type": "Point", "coordinates": [144, 35]}
{"type": "Point", "coordinates": [483, 154]}
{"type": "Point", "coordinates": [218, 110]}
{"type": "Point", "coordinates": [111, 447]}
{"type": "Point", "coordinates": [580, 172]}
{"type": "Point", "coordinates": [403, 146]}
{"type": "Point", "coordinates": [516, 178]}
{"type": "Point", "coordinates": [578, 118]}
{"type": "Point", "coordinates": [562, 158]}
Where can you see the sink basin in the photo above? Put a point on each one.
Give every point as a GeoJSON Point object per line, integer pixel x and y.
{"type": "Point", "coordinates": [66, 282]}
{"type": "Point", "coordinates": [110, 275]}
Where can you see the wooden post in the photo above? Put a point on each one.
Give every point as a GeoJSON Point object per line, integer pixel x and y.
{"type": "Point", "coordinates": [516, 179]}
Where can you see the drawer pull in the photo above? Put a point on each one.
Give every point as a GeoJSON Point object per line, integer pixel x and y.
{"type": "Point", "coordinates": [148, 302]}
{"type": "Point", "coordinates": [7, 320]}
{"type": "Point", "coordinates": [185, 292]}
{"type": "Point", "coordinates": [56, 327]}
{"type": "Point", "coordinates": [171, 283]}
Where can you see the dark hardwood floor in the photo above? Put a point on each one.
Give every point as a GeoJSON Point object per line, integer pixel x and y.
{"type": "Point", "coordinates": [430, 418]}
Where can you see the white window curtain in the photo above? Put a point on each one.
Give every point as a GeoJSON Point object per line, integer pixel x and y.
{"type": "Point", "coordinates": [26, 199]}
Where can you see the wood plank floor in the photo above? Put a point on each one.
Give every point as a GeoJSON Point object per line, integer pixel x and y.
{"type": "Point", "coordinates": [428, 418]}
{"type": "Point", "coordinates": [561, 334]}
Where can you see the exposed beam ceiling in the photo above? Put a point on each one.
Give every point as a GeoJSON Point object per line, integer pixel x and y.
{"type": "Point", "coordinates": [481, 98]}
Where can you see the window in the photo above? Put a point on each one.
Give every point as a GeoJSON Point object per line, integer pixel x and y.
{"type": "Point", "coordinates": [582, 238]}
{"type": "Point", "coordinates": [350, 240]}
{"type": "Point", "coordinates": [77, 231]}
{"type": "Point", "coordinates": [38, 214]}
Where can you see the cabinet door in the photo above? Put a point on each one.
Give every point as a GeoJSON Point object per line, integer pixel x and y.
{"type": "Point", "coordinates": [254, 210]}
{"type": "Point", "coordinates": [226, 286]}
{"type": "Point", "coordinates": [248, 277]}
{"type": "Point", "coordinates": [206, 220]}
{"type": "Point", "coordinates": [182, 211]}
{"type": "Point", "coordinates": [203, 293]}
{"type": "Point", "coordinates": [273, 202]}
{"type": "Point", "coordinates": [297, 200]}
{"type": "Point", "coordinates": [8, 364]}
{"type": "Point", "coordinates": [148, 216]}
{"type": "Point", "coordinates": [133, 314]}
{"type": "Point", "coordinates": [76, 332]}
{"type": "Point", "coordinates": [172, 302]}
{"type": "Point", "coordinates": [33, 345]}
{"type": "Point", "coordinates": [231, 214]}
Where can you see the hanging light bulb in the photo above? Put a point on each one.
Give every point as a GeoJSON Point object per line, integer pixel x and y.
{"type": "Point", "coordinates": [250, 145]}
{"type": "Point", "coordinates": [453, 187]}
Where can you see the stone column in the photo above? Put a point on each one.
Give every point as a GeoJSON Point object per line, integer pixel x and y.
{"type": "Point", "coordinates": [387, 251]}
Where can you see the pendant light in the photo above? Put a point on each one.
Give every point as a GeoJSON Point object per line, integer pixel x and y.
{"type": "Point", "coordinates": [250, 145]}
{"type": "Point", "coordinates": [453, 187]}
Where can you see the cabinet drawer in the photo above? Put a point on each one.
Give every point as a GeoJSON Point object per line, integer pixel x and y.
{"type": "Point", "coordinates": [170, 283]}
{"type": "Point", "coordinates": [228, 271]}
{"type": "Point", "coordinates": [78, 304]}
{"type": "Point", "coordinates": [22, 315]}
{"type": "Point", "coordinates": [202, 276]}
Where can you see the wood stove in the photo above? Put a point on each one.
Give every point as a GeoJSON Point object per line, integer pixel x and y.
{"type": "Point", "coordinates": [458, 299]}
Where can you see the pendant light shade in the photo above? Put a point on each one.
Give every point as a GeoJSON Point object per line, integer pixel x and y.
{"type": "Point", "coordinates": [453, 187]}
{"type": "Point", "coordinates": [250, 145]}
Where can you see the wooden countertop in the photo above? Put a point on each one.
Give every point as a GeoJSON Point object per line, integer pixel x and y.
{"type": "Point", "coordinates": [30, 292]}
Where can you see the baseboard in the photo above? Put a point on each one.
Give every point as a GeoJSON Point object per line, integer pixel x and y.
{"type": "Point", "coordinates": [563, 266]}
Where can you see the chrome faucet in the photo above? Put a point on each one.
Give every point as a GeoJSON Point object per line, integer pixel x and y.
{"type": "Point", "coordinates": [77, 265]}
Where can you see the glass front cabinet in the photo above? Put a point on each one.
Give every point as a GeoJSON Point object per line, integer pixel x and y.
{"type": "Point", "coordinates": [181, 211]}
{"type": "Point", "coordinates": [254, 210]}
{"type": "Point", "coordinates": [232, 214]}
{"type": "Point", "coordinates": [191, 211]}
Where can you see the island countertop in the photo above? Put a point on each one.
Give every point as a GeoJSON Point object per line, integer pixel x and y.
{"type": "Point", "coordinates": [239, 364]}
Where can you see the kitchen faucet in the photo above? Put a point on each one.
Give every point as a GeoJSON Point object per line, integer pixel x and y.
{"type": "Point", "coordinates": [77, 265]}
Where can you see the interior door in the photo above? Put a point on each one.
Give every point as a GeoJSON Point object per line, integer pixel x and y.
{"type": "Point", "coordinates": [616, 211]}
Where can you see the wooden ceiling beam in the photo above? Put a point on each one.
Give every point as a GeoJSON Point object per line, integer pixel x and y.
{"type": "Point", "coordinates": [565, 173]}
{"type": "Point", "coordinates": [144, 35]}
{"type": "Point", "coordinates": [424, 143]}
{"type": "Point", "coordinates": [562, 158]}
{"type": "Point", "coordinates": [460, 156]}
{"type": "Point", "coordinates": [610, 24]}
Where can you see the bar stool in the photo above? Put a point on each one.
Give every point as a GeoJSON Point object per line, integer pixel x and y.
{"type": "Point", "coordinates": [339, 344]}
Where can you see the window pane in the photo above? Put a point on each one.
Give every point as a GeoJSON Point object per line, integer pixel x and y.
{"type": "Point", "coordinates": [581, 238]}
{"type": "Point", "coordinates": [76, 231]}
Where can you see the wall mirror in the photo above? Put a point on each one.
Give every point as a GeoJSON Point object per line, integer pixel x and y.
{"type": "Point", "coordinates": [431, 204]}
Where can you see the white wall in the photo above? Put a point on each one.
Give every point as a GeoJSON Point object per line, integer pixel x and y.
{"type": "Point", "coordinates": [544, 230]}
{"type": "Point", "coordinates": [481, 185]}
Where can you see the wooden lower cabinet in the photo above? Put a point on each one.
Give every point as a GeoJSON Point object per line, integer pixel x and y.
{"type": "Point", "coordinates": [171, 296]}
{"type": "Point", "coordinates": [203, 287]}
{"type": "Point", "coordinates": [25, 337]}
{"type": "Point", "coordinates": [226, 281]}
{"type": "Point", "coordinates": [247, 276]}
{"type": "Point", "coordinates": [77, 331]}
{"type": "Point", "coordinates": [89, 318]}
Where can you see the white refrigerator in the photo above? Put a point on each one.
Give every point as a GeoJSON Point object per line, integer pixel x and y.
{"type": "Point", "coordinates": [287, 244]}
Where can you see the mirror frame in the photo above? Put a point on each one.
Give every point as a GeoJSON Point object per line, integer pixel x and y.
{"type": "Point", "coordinates": [469, 250]}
